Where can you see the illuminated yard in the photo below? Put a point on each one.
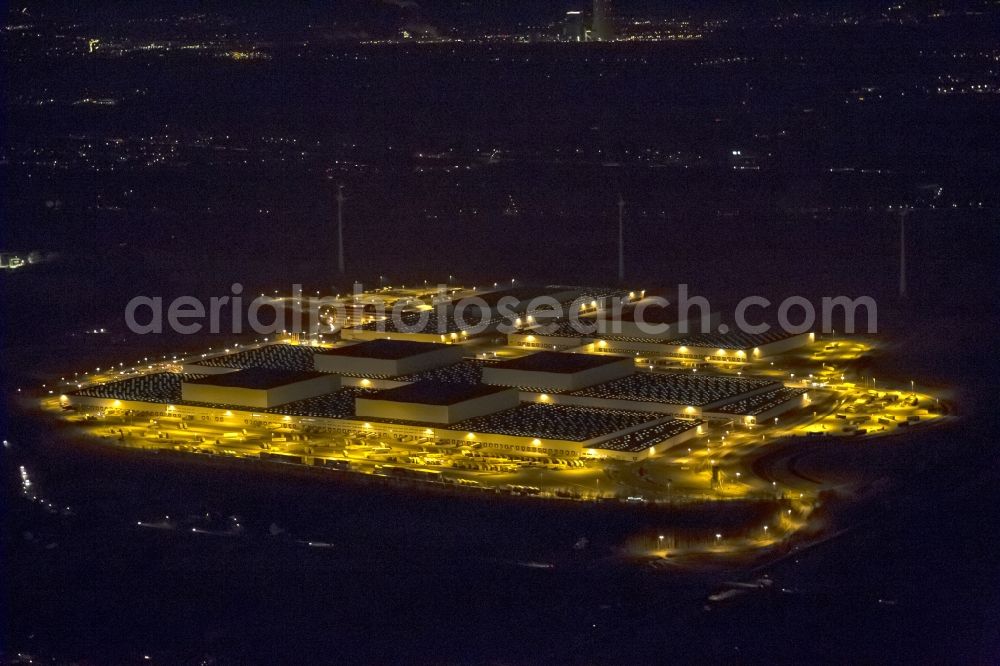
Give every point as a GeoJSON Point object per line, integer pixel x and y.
{"type": "Point", "coordinates": [578, 424]}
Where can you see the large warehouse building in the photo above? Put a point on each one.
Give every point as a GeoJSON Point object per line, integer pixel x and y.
{"type": "Point", "coordinates": [554, 371]}
{"type": "Point", "coordinates": [542, 403]}
{"type": "Point", "coordinates": [385, 358]}
{"type": "Point", "coordinates": [435, 402]}
{"type": "Point", "coordinates": [258, 387]}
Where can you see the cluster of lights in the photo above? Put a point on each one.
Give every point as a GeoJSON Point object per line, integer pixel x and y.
{"type": "Point", "coordinates": [674, 388]}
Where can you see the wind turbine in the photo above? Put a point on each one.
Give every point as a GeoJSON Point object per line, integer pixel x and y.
{"type": "Point", "coordinates": [902, 213]}
{"type": "Point", "coordinates": [340, 229]}
{"type": "Point", "coordinates": [621, 239]}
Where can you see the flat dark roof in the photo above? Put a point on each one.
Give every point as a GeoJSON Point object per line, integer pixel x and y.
{"type": "Point", "coordinates": [548, 361]}
{"type": "Point", "coordinates": [436, 393]}
{"type": "Point", "coordinates": [386, 350]}
{"type": "Point", "coordinates": [258, 378]}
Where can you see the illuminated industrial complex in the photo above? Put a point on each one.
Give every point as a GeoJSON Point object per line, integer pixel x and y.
{"type": "Point", "coordinates": [432, 391]}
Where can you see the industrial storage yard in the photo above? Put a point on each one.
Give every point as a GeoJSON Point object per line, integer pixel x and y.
{"type": "Point", "coordinates": [679, 420]}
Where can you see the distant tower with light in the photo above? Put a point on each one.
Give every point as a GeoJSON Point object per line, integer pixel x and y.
{"type": "Point", "coordinates": [600, 27]}
{"type": "Point", "coordinates": [621, 239]}
{"type": "Point", "coordinates": [573, 27]}
{"type": "Point", "coordinates": [340, 229]}
{"type": "Point", "coordinates": [902, 251]}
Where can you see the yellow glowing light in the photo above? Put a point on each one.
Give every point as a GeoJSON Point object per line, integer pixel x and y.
{"type": "Point", "coordinates": [689, 410]}
{"type": "Point", "coordinates": [536, 442]}
{"type": "Point", "coordinates": [602, 343]}
{"type": "Point", "coordinates": [116, 403]}
{"type": "Point", "coordinates": [246, 55]}
{"type": "Point", "coordinates": [367, 425]}
{"type": "Point", "coordinates": [227, 413]}
{"type": "Point", "coordinates": [366, 382]}
{"type": "Point", "coordinates": [544, 397]}
{"type": "Point", "coordinates": [470, 436]}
